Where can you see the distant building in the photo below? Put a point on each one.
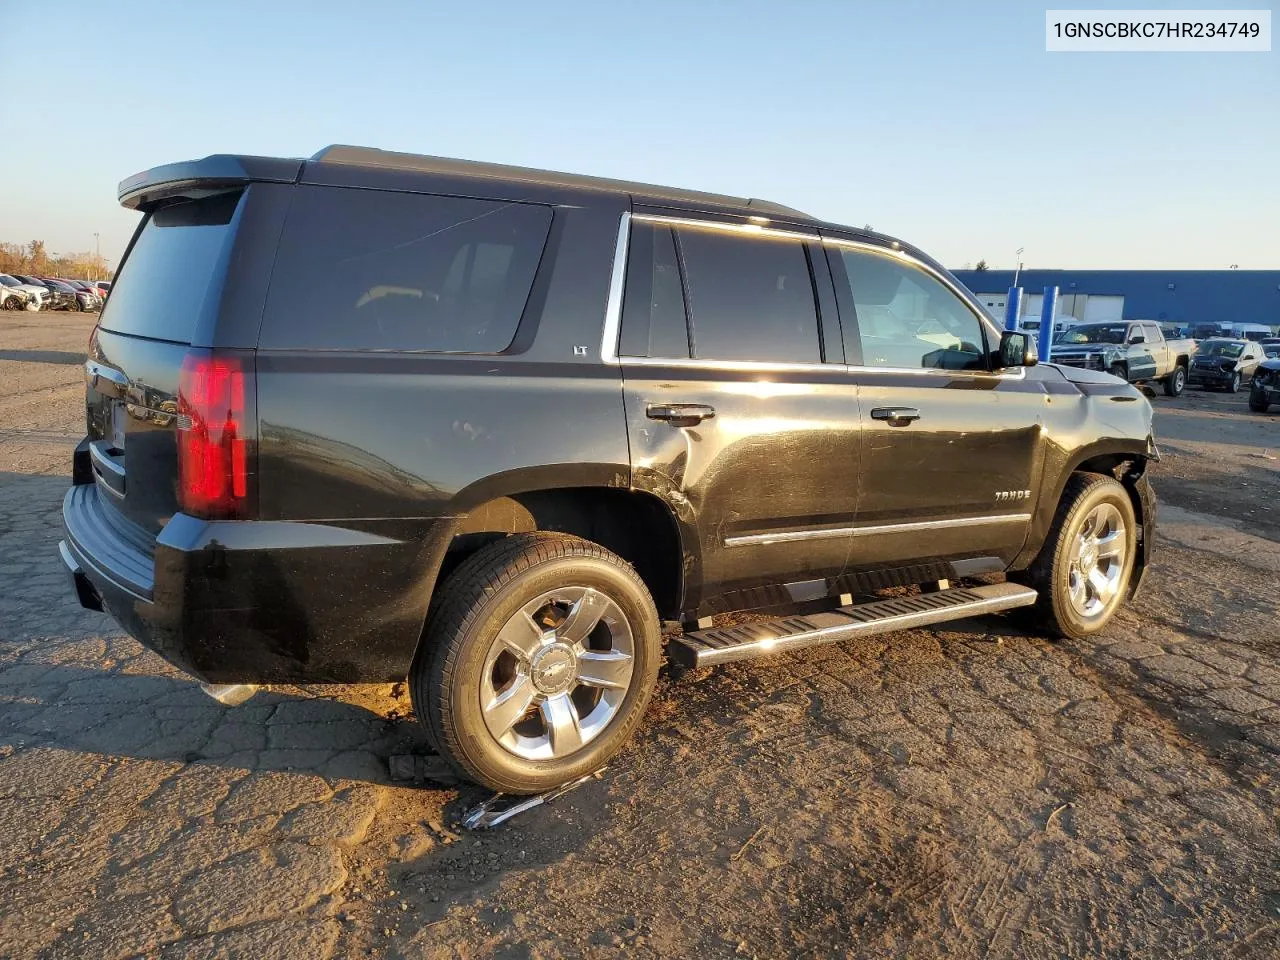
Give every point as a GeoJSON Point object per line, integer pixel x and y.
{"type": "Point", "coordinates": [1167, 296]}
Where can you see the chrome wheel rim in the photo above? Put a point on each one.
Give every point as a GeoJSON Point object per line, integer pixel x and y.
{"type": "Point", "coordinates": [1096, 572]}
{"type": "Point", "coordinates": [557, 673]}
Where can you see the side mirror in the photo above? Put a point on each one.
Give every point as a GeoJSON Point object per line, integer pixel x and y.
{"type": "Point", "coordinates": [1137, 338]}
{"type": "Point", "coordinates": [1018, 350]}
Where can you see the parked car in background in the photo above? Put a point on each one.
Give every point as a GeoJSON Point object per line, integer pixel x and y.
{"type": "Point", "coordinates": [1269, 344]}
{"type": "Point", "coordinates": [104, 287]}
{"type": "Point", "coordinates": [88, 295]}
{"type": "Point", "coordinates": [55, 298]}
{"type": "Point", "coordinates": [1265, 389]}
{"type": "Point", "coordinates": [70, 296]}
{"type": "Point", "coordinates": [1205, 331]}
{"type": "Point", "coordinates": [1225, 364]}
{"type": "Point", "coordinates": [16, 295]}
{"type": "Point", "coordinates": [1256, 332]}
{"type": "Point", "coordinates": [1135, 351]}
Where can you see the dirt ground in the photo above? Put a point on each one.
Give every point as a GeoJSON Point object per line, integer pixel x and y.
{"type": "Point", "coordinates": [967, 792]}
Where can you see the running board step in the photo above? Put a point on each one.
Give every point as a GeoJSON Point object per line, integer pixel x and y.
{"type": "Point", "coordinates": [706, 648]}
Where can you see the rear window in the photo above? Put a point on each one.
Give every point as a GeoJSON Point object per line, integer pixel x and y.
{"type": "Point", "coordinates": [165, 281]}
{"type": "Point", "coordinates": [373, 270]}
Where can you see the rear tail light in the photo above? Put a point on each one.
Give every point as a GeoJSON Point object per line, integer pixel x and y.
{"type": "Point", "coordinates": [214, 430]}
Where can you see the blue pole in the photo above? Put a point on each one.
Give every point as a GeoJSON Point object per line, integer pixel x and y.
{"type": "Point", "coordinates": [1047, 317]}
{"type": "Point", "coordinates": [1013, 308]}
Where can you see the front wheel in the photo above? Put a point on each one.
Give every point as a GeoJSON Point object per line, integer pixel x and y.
{"type": "Point", "coordinates": [538, 663]}
{"type": "Point", "coordinates": [1119, 370]}
{"type": "Point", "coordinates": [1175, 382]}
{"type": "Point", "coordinates": [1083, 570]}
{"type": "Point", "coordinates": [1258, 401]}
{"type": "Point", "coordinates": [1234, 386]}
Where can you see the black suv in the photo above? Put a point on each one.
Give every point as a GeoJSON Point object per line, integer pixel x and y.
{"type": "Point", "coordinates": [373, 415]}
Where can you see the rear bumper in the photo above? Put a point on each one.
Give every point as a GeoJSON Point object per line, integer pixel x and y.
{"type": "Point", "coordinates": [258, 601]}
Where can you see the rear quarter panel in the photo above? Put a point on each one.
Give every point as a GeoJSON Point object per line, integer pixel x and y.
{"type": "Point", "coordinates": [400, 445]}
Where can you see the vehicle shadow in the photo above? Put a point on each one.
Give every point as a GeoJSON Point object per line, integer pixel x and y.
{"type": "Point", "coordinates": [144, 711]}
{"type": "Point", "coordinates": [43, 356]}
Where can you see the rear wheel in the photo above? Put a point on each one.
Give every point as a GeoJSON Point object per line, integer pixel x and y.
{"type": "Point", "coordinates": [1258, 401]}
{"type": "Point", "coordinates": [538, 662]}
{"type": "Point", "coordinates": [1175, 382]}
{"type": "Point", "coordinates": [1083, 570]}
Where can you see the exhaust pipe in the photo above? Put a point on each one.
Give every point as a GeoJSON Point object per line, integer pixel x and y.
{"type": "Point", "coordinates": [230, 694]}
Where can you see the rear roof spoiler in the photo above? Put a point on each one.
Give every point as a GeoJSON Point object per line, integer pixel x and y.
{"type": "Point", "coordinates": [197, 178]}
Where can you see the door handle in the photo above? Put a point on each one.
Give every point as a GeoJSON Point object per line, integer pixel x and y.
{"type": "Point", "coordinates": [680, 414]}
{"type": "Point", "coordinates": [896, 416]}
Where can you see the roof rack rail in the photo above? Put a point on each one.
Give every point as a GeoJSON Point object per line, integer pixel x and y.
{"type": "Point", "coordinates": [375, 157]}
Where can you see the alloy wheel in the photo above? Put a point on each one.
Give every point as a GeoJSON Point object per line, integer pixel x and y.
{"type": "Point", "coordinates": [1096, 570]}
{"type": "Point", "coordinates": [557, 673]}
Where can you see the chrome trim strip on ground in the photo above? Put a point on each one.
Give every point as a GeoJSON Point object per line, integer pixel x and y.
{"type": "Point", "coordinates": [827, 533]}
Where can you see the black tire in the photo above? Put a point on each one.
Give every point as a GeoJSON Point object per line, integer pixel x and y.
{"type": "Point", "coordinates": [1049, 573]}
{"type": "Point", "coordinates": [1119, 370]}
{"type": "Point", "coordinates": [1258, 401]}
{"type": "Point", "coordinates": [1234, 386]}
{"type": "Point", "coordinates": [1175, 382]}
{"type": "Point", "coordinates": [479, 599]}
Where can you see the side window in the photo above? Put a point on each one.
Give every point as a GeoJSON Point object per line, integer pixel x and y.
{"type": "Point", "coordinates": [653, 315]}
{"type": "Point", "coordinates": [908, 318]}
{"type": "Point", "coordinates": [375, 270]}
{"type": "Point", "coordinates": [750, 298]}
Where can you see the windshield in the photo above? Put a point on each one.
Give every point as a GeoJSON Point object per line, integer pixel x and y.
{"type": "Point", "coordinates": [1272, 351]}
{"type": "Point", "coordinates": [1220, 348]}
{"type": "Point", "coordinates": [8, 281]}
{"type": "Point", "coordinates": [1093, 333]}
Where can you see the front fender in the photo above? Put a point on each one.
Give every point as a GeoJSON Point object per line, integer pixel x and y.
{"type": "Point", "coordinates": [1100, 456]}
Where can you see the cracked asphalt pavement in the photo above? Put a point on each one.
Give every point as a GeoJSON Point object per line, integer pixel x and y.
{"type": "Point", "coordinates": [972, 791]}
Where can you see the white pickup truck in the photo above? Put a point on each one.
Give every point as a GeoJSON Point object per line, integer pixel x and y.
{"type": "Point", "coordinates": [1134, 350]}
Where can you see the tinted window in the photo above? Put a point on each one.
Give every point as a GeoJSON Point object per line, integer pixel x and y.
{"type": "Point", "coordinates": [750, 298]}
{"type": "Point", "coordinates": [178, 258]}
{"type": "Point", "coordinates": [653, 315]}
{"type": "Point", "coordinates": [908, 318]}
{"type": "Point", "coordinates": [370, 270]}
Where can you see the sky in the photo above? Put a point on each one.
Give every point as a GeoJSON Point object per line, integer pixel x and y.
{"type": "Point", "coordinates": [946, 124]}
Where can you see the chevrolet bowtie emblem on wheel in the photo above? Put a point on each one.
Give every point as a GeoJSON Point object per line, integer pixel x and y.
{"type": "Point", "coordinates": [1007, 496]}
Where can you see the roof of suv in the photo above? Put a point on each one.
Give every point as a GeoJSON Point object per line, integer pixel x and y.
{"type": "Point", "coordinates": [418, 163]}
{"type": "Point", "coordinates": [222, 171]}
